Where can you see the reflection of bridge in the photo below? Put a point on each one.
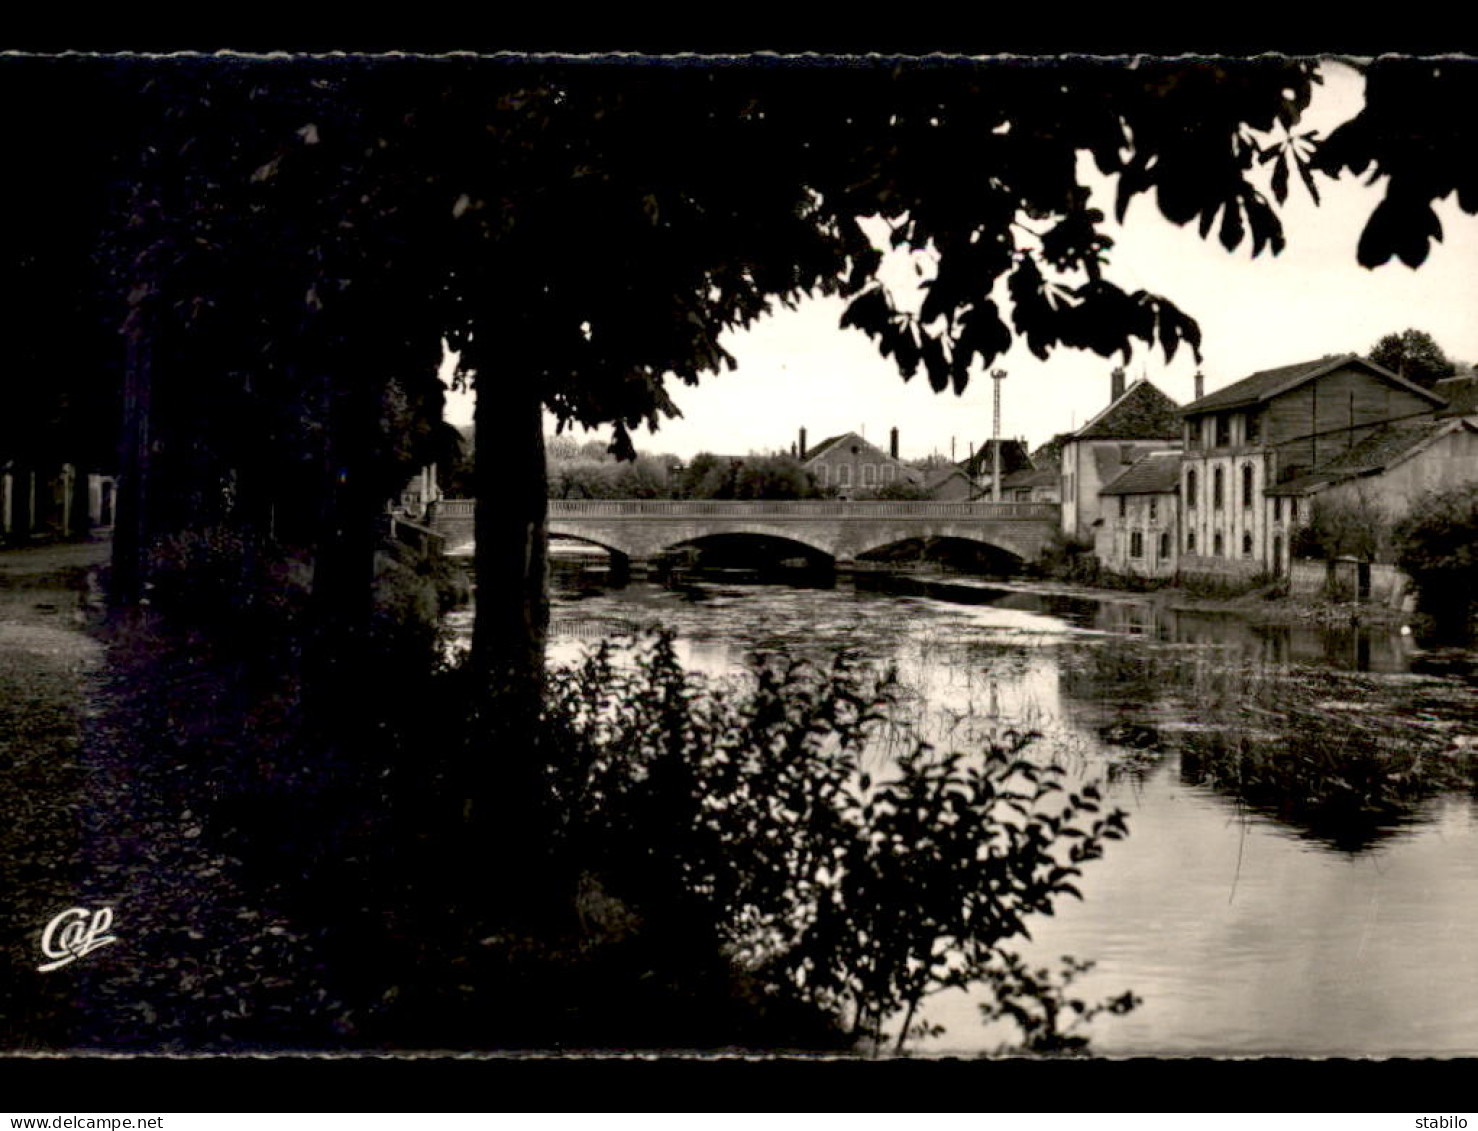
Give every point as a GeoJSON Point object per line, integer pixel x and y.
{"type": "Point", "coordinates": [641, 529]}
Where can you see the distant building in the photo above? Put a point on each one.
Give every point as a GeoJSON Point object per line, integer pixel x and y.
{"type": "Point", "coordinates": [981, 465]}
{"type": "Point", "coordinates": [49, 502]}
{"type": "Point", "coordinates": [950, 484]}
{"type": "Point", "coordinates": [1137, 534]}
{"type": "Point", "coordinates": [1035, 486]}
{"type": "Point", "coordinates": [849, 463]}
{"type": "Point", "coordinates": [417, 496]}
{"type": "Point", "coordinates": [1272, 430]}
{"type": "Point", "coordinates": [1138, 420]}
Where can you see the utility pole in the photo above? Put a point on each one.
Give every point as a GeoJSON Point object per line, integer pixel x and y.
{"type": "Point", "coordinates": [997, 376]}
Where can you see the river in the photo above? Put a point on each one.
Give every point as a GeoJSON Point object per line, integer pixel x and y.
{"type": "Point", "coordinates": [1271, 898]}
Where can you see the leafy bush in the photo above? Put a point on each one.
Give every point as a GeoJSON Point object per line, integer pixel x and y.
{"type": "Point", "coordinates": [1037, 1002]}
{"type": "Point", "coordinates": [1437, 544]}
{"type": "Point", "coordinates": [854, 889]}
{"type": "Point", "coordinates": [1067, 558]}
{"type": "Point", "coordinates": [220, 575]}
{"type": "Point", "coordinates": [1341, 525]}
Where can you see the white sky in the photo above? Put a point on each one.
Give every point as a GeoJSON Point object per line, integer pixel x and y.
{"type": "Point", "coordinates": [798, 369]}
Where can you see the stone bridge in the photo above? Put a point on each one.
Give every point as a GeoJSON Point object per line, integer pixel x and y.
{"type": "Point", "coordinates": [641, 529]}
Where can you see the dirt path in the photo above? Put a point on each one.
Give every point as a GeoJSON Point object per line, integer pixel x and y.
{"type": "Point", "coordinates": [48, 668]}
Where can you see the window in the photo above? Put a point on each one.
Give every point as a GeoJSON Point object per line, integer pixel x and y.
{"type": "Point", "coordinates": [1247, 544]}
{"type": "Point", "coordinates": [1136, 545]}
{"type": "Point", "coordinates": [890, 473]}
{"type": "Point", "coordinates": [1154, 508]}
{"type": "Point", "coordinates": [1254, 427]}
{"type": "Point", "coordinates": [1278, 508]}
{"type": "Point", "coordinates": [844, 475]}
{"type": "Point", "coordinates": [1217, 544]}
{"type": "Point", "coordinates": [1224, 431]}
{"type": "Point", "coordinates": [869, 474]}
{"type": "Point", "coordinates": [1218, 483]}
{"type": "Point", "coordinates": [1247, 485]}
{"type": "Point", "coordinates": [1293, 509]}
{"type": "Point", "coordinates": [1190, 541]}
{"type": "Point", "coordinates": [1164, 545]}
{"type": "Point", "coordinates": [1123, 505]}
{"type": "Point", "coordinates": [1277, 555]}
{"type": "Point", "coordinates": [1190, 489]}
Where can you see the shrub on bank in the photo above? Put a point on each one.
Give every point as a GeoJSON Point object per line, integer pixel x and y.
{"type": "Point", "coordinates": [1437, 545]}
{"type": "Point", "coordinates": [829, 879]}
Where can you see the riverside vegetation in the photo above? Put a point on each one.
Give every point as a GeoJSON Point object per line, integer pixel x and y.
{"type": "Point", "coordinates": [713, 864]}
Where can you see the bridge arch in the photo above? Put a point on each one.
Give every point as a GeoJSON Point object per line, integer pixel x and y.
{"type": "Point", "coordinates": [799, 538]}
{"type": "Point", "coordinates": [992, 539]}
{"type": "Point", "coordinates": [588, 540]}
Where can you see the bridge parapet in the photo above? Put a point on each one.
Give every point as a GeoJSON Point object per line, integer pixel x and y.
{"type": "Point", "coordinates": [869, 510]}
{"type": "Point", "coordinates": [643, 528]}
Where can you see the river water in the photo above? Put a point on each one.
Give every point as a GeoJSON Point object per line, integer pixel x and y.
{"type": "Point", "coordinates": [1286, 888]}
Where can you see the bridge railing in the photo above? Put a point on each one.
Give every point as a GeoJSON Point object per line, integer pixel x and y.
{"type": "Point", "coordinates": [768, 508]}
{"type": "Point", "coordinates": [806, 509]}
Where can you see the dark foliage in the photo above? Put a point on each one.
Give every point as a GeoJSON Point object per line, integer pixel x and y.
{"type": "Point", "coordinates": [1437, 544]}
{"type": "Point", "coordinates": [824, 881]}
{"type": "Point", "coordinates": [1413, 354]}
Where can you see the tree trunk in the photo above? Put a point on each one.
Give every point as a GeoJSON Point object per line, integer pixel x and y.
{"type": "Point", "coordinates": [341, 600]}
{"type": "Point", "coordinates": [512, 616]}
{"type": "Point", "coordinates": [505, 806]}
{"type": "Point", "coordinates": [80, 525]}
{"type": "Point", "coordinates": [130, 527]}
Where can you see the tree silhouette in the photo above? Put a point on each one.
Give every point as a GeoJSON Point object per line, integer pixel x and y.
{"type": "Point", "coordinates": [1413, 354]}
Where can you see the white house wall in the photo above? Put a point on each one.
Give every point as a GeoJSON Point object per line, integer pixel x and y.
{"type": "Point", "coordinates": [1114, 540]}
{"type": "Point", "coordinates": [1236, 517]}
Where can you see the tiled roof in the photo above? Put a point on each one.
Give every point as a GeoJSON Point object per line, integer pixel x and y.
{"type": "Point", "coordinates": [944, 474]}
{"type": "Point", "coordinates": [1384, 445]}
{"type": "Point", "coordinates": [1050, 453]}
{"type": "Point", "coordinates": [1372, 455]}
{"type": "Point", "coordinates": [1038, 477]}
{"type": "Point", "coordinates": [815, 450]}
{"type": "Point", "coordinates": [1155, 474]}
{"type": "Point", "coordinates": [1143, 412]}
{"type": "Point", "coordinates": [1270, 382]}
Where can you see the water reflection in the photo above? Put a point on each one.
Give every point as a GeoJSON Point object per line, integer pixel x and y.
{"type": "Point", "coordinates": [1303, 838]}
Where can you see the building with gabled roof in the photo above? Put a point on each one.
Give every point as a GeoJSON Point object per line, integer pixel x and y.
{"type": "Point", "coordinates": [1037, 485]}
{"type": "Point", "coordinates": [1400, 462]}
{"type": "Point", "coordinates": [1138, 420]}
{"type": "Point", "coordinates": [981, 466]}
{"type": "Point", "coordinates": [1138, 531]}
{"type": "Point", "coordinates": [1273, 428]}
{"type": "Point", "coordinates": [848, 463]}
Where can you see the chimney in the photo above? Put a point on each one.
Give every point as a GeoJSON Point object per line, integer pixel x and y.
{"type": "Point", "coordinates": [1116, 389]}
{"type": "Point", "coordinates": [1200, 385]}
{"type": "Point", "coordinates": [893, 442]}
{"type": "Point", "coordinates": [801, 445]}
